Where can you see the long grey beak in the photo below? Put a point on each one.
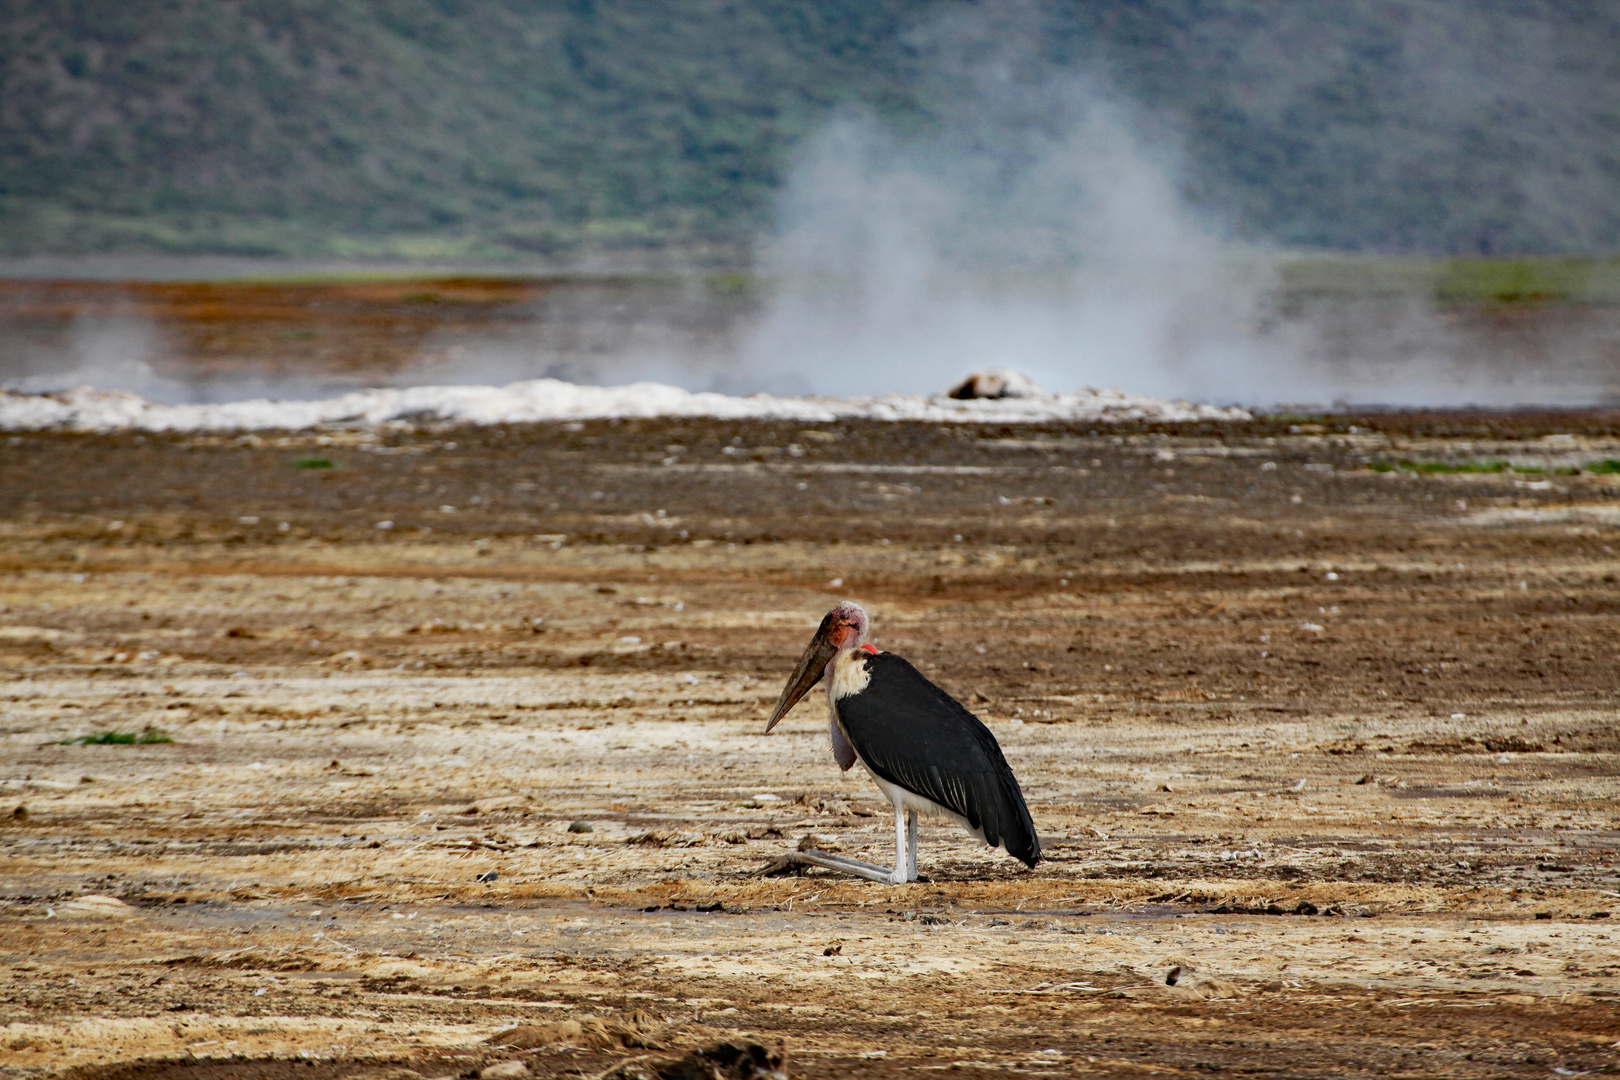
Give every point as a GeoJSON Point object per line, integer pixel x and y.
{"type": "Point", "coordinates": [811, 666]}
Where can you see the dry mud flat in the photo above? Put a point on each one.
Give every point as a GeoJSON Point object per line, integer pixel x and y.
{"type": "Point", "coordinates": [1336, 746]}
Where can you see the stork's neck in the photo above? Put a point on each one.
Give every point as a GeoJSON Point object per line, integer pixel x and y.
{"type": "Point", "coordinates": [851, 648]}
{"type": "Point", "coordinates": [847, 673]}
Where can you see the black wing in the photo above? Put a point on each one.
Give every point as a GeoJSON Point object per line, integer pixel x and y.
{"type": "Point", "coordinates": [915, 735]}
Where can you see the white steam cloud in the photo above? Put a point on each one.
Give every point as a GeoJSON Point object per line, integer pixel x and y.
{"type": "Point", "coordinates": [1039, 222]}
{"type": "Point", "coordinates": [1038, 231]}
{"type": "Point", "coordinates": [108, 350]}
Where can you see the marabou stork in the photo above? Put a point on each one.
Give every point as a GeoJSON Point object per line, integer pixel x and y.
{"type": "Point", "coordinates": [921, 747]}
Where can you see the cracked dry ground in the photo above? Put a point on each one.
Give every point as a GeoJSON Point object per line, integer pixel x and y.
{"type": "Point", "coordinates": [1243, 677]}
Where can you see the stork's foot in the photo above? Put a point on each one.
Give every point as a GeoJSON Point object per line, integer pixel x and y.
{"type": "Point", "coordinates": [837, 863]}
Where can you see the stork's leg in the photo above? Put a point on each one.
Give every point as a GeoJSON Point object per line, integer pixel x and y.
{"type": "Point", "coordinates": [911, 845]}
{"type": "Point", "coordinates": [905, 855]}
{"type": "Point", "coordinates": [841, 864]}
{"type": "Point", "coordinates": [901, 851]}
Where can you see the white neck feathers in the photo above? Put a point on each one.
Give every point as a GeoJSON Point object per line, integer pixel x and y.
{"type": "Point", "coordinates": [847, 674]}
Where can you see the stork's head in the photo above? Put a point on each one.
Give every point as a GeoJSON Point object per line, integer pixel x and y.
{"type": "Point", "coordinates": [843, 628]}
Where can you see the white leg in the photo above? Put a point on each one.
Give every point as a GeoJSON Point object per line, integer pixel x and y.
{"type": "Point", "coordinates": [911, 845]}
{"type": "Point", "coordinates": [899, 876]}
{"type": "Point", "coordinates": [905, 855]}
{"type": "Point", "coordinates": [841, 864]}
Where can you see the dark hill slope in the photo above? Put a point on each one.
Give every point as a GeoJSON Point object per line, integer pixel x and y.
{"type": "Point", "coordinates": [315, 125]}
{"type": "Point", "coordinates": [441, 127]}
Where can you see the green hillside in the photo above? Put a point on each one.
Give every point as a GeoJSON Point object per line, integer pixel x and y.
{"type": "Point", "coordinates": [452, 128]}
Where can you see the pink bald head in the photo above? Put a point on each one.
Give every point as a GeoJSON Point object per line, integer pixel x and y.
{"type": "Point", "coordinates": [846, 625]}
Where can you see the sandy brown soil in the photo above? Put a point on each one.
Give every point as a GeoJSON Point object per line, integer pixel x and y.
{"type": "Point", "coordinates": [1339, 744]}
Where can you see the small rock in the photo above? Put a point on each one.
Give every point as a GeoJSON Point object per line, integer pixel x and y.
{"type": "Point", "coordinates": [499, 804]}
{"type": "Point", "coordinates": [97, 907]}
{"type": "Point", "coordinates": [994, 383]}
{"type": "Point", "coordinates": [504, 1070]}
{"type": "Point", "coordinates": [581, 827]}
{"type": "Point", "coordinates": [1195, 983]}
{"type": "Point", "coordinates": [486, 877]}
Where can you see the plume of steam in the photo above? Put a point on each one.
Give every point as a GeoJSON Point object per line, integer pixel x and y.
{"type": "Point", "coordinates": [1034, 225]}
{"type": "Point", "coordinates": [109, 351]}
{"type": "Point", "coordinates": [1037, 218]}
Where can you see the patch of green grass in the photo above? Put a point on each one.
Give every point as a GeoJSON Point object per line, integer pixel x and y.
{"type": "Point", "coordinates": [119, 738]}
{"type": "Point", "coordinates": [1514, 281]}
{"type": "Point", "coordinates": [733, 284]}
{"type": "Point", "coordinates": [1494, 283]}
{"type": "Point", "coordinates": [1607, 467]}
{"type": "Point", "coordinates": [313, 463]}
{"type": "Point", "coordinates": [1444, 466]}
{"type": "Point", "coordinates": [1487, 467]}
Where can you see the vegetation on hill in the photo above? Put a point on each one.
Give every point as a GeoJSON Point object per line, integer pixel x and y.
{"type": "Point", "coordinates": [445, 128]}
